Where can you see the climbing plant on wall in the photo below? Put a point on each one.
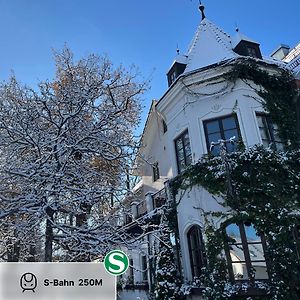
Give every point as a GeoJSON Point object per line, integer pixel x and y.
{"type": "Point", "coordinates": [278, 90]}
{"type": "Point", "coordinates": [265, 189]}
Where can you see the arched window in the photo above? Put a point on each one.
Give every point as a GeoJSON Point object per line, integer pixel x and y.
{"type": "Point", "coordinates": [196, 250]}
{"type": "Point", "coordinates": [245, 252]}
{"type": "Point", "coordinates": [297, 238]}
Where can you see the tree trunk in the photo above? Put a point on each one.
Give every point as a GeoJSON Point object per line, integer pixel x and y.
{"type": "Point", "coordinates": [13, 251]}
{"type": "Point", "coordinates": [32, 254]}
{"type": "Point", "coordinates": [81, 221]}
{"type": "Point", "coordinates": [49, 235]}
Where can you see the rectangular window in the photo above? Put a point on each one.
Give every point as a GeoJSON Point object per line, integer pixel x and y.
{"type": "Point", "coordinates": [196, 250]}
{"type": "Point", "coordinates": [130, 279]}
{"type": "Point", "coordinates": [245, 251]}
{"type": "Point", "coordinates": [144, 268]}
{"type": "Point", "coordinates": [269, 132]}
{"type": "Point", "coordinates": [183, 151]}
{"type": "Point", "coordinates": [222, 128]}
{"type": "Point", "coordinates": [252, 51]}
{"type": "Point", "coordinates": [155, 171]}
{"type": "Point", "coordinates": [297, 238]}
{"type": "Point", "coordinates": [165, 127]}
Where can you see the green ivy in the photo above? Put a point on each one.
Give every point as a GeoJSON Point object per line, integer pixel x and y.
{"type": "Point", "coordinates": [279, 92]}
{"type": "Point", "coordinates": [265, 189]}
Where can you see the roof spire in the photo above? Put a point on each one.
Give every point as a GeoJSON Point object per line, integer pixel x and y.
{"type": "Point", "coordinates": [177, 49]}
{"type": "Point", "coordinates": [236, 27]}
{"type": "Point", "coordinates": [201, 8]}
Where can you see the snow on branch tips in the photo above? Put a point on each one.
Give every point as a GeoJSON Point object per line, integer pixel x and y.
{"type": "Point", "coordinates": [64, 155]}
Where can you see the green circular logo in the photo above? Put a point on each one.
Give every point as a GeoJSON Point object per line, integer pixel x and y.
{"type": "Point", "coordinates": [116, 262]}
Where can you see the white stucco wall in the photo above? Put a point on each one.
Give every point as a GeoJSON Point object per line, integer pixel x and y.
{"type": "Point", "coordinates": [186, 106]}
{"type": "Point", "coordinates": [187, 110]}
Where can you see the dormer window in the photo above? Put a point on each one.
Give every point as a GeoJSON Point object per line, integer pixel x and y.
{"type": "Point", "coordinates": [172, 77]}
{"type": "Point", "coordinates": [252, 51]}
{"type": "Point", "coordinates": [177, 68]}
{"type": "Point", "coordinates": [245, 46]}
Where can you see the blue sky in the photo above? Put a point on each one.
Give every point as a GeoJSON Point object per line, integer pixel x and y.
{"type": "Point", "coordinates": [144, 33]}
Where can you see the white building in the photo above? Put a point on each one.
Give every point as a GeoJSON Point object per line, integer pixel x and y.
{"type": "Point", "coordinates": [199, 108]}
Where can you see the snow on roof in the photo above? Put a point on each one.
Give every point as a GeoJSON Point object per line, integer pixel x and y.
{"type": "Point", "coordinates": [182, 59]}
{"type": "Point", "coordinates": [280, 47]}
{"type": "Point", "coordinates": [241, 37]}
{"type": "Point", "coordinates": [294, 53]}
{"type": "Point", "coordinates": [210, 45]}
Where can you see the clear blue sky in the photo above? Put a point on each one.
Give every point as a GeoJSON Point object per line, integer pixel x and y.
{"type": "Point", "coordinates": [144, 33]}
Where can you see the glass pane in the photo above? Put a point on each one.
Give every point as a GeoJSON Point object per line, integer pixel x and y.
{"type": "Point", "coordinates": [186, 140]}
{"type": "Point", "coordinates": [195, 249]}
{"type": "Point", "coordinates": [215, 137]}
{"type": "Point", "coordinates": [179, 144]}
{"type": "Point", "coordinates": [251, 233]}
{"type": "Point", "coordinates": [180, 155]}
{"type": "Point", "coordinates": [240, 271]}
{"type": "Point", "coordinates": [233, 232]}
{"type": "Point", "coordinates": [188, 150]}
{"type": "Point", "coordinates": [212, 127]}
{"type": "Point", "coordinates": [260, 270]}
{"type": "Point", "coordinates": [193, 241]}
{"type": "Point", "coordinates": [229, 123]}
{"type": "Point", "coordinates": [231, 133]}
{"type": "Point", "coordinates": [256, 252]}
{"type": "Point", "coordinates": [264, 133]}
{"type": "Point", "coordinates": [180, 158]}
{"type": "Point", "coordinates": [251, 51]}
{"type": "Point", "coordinates": [231, 147]}
{"type": "Point", "coordinates": [237, 253]}
{"type": "Point", "coordinates": [276, 136]}
{"type": "Point", "coordinates": [189, 160]}
{"type": "Point", "coordinates": [260, 121]}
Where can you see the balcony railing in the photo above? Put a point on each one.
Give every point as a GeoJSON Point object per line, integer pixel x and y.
{"type": "Point", "coordinates": [144, 207]}
{"type": "Point", "coordinates": [141, 208]}
{"type": "Point", "coordinates": [159, 198]}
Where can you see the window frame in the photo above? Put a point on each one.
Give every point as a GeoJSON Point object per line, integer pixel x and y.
{"type": "Point", "coordinates": [144, 268]}
{"type": "Point", "coordinates": [296, 233]}
{"type": "Point", "coordinates": [164, 126]}
{"type": "Point", "coordinates": [181, 137]}
{"type": "Point", "coordinates": [246, 252]}
{"type": "Point", "coordinates": [155, 171]}
{"type": "Point", "coordinates": [252, 51]}
{"type": "Point", "coordinates": [199, 249]}
{"type": "Point", "coordinates": [269, 125]}
{"type": "Point", "coordinates": [219, 119]}
{"type": "Point", "coordinates": [130, 277]}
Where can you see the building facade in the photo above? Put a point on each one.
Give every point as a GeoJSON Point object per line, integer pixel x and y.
{"type": "Point", "coordinates": [201, 107]}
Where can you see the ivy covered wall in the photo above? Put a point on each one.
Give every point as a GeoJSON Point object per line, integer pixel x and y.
{"type": "Point", "coordinates": [264, 188]}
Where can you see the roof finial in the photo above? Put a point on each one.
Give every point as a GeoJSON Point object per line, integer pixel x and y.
{"type": "Point", "coordinates": [177, 50]}
{"type": "Point", "coordinates": [236, 27]}
{"type": "Point", "coordinates": [201, 8]}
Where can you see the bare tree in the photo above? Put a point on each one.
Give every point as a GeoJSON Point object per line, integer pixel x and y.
{"type": "Point", "coordinates": [63, 156]}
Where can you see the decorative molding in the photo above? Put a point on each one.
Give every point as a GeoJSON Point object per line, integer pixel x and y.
{"type": "Point", "coordinates": [216, 107]}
